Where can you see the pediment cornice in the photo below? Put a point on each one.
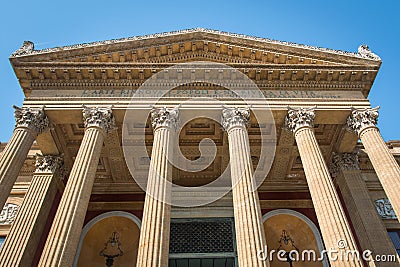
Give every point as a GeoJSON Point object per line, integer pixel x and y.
{"type": "Point", "coordinates": [196, 44]}
{"type": "Point", "coordinates": [130, 61]}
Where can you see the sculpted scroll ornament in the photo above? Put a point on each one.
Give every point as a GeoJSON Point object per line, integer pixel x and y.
{"type": "Point", "coordinates": [99, 117]}
{"type": "Point", "coordinates": [34, 119]}
{"type": "Point", "coordinates": [299, 117]}
{"type": "Point", "coordinates": [26, 49]}
{"type": "Point", "coordinates": [232, 117]}
{"type": "Point", "coordinates": [361, 119]}
{"type": "Point", "coordinates": [385, 209]}
{"type": "Point", "coordinates": [8, 213]}
{"type": "Point", "coordinates": [168, 117]}
{"type": "Point", "coordinates": [365, 52]}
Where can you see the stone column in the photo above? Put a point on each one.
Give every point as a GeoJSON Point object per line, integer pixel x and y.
{"type": "Point", "coordinates": [250, 236]}
{"type": "Point", "coordinates": [363, 122]}
{"type": "Point", "coordinates": [29, 123]}
{"type": "Point", "coordinates": [62, 242]}
{"type": "Point", "coordinates": [334, 227]}
{"type": "Point", "coordinates": [370, 230]}
{"type": "Point", "coordinates": [153, 248]}
{"type": "Point", "coordinates": [23, 239]}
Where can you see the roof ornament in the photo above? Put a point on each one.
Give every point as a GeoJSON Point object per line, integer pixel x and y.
{"type": "Point", "coordinates": [26, 49]}
{"type": "Point", "coordinates": [365, 52]}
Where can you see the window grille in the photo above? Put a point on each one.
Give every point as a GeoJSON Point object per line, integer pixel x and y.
{"type": "Point", "coordinates": [202, 236]}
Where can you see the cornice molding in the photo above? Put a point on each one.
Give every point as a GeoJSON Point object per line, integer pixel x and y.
{"type": "Point", "coordinates": [203, 32]}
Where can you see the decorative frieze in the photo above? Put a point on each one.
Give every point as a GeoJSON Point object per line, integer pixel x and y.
{"type": "Point", "coordinates": [8, 213]}
{"type": "Point", "coordinates": [343, 161]}
{"type": "Point", "coordinates": [34, 119]}
{"type": "Point", "coordinates": [385, 209]}
{"type": "Point", "coordinates": [361, 119]}
{"type": "Point", "coordinates": [99, 117]}
{"type": "Point", "coordinates": [299, 117]}
{"type": "Point", "coordinates": [164, 117]}
{"type": "Point", "coordinates": [235, 117]}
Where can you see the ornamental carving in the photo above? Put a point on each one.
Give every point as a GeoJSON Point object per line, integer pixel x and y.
{"type": "Point", "coordinates": [365, 52]}
{"type": "Point", "coordinates": [361, 119]}
{"type": "Point", "coordinates": [26, 49]}
{"type": "Point", "coordinates": [385, 209]}
{"type": "Point", "coordinates": [299, 117]}
{"type": "Point", "coordinates": [99, 117]}
{"type": "Point", "coordinates": [167, 117]}
{"type": "Point", "coordinates": [8, 213]}
{"type": "Point", "coordinates": [235, 117]}
{"type": "Point", "coordinates": [50, 164]}
{"type": "Point", "coordinates": [343, 161]}
{"type": "Point", "coordinates": [34, 119]}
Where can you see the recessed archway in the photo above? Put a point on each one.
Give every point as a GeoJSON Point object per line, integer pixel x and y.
{"type": "Point", "coordinates": [97, 232]}
{"type": "Point", "coordinates": [300, 228]}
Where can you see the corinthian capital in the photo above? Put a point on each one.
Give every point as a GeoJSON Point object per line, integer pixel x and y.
{"type": "Point", "coordinates": [32, 118]}
{"type": "Point", "coordinates": [299, 117]}
{"type": "Point", "coordinates": [50, 164]}
{"type": "Point", "coordinates": [343, 161]}
{"type": "Point", "coordinates": [167, 117]}
{"type": "Point", "coordinates": [232, 117]}
{"type": "Point", "coordinates": [99, 117]}
{"type": "Point", "coordinates": [361, 119]}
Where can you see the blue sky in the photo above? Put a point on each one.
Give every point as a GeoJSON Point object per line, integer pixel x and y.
{"type": "Point", "coordinates": [342, 25]}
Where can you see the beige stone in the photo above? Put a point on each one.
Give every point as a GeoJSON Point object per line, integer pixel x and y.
{"type": "Point", "coordinates": [154, 234]}
{"type": "Point", "coordinates": [250, 236]}
{"type": "Point", "coordinates": [23, 239]}
{"type": "Point", "coordinates": [335, 229]}
{"type": "Point", "coordinates": [63, 239]}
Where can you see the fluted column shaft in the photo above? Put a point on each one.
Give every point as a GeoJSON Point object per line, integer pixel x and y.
{"type": "Point", "coordinates": [370, 230]}
{"type": "Point", "coordinates": [385, 165]}
{"type": "Point", "coordinates": [23, 239]}
{"type": "Point", "coordinates": [363, 122]}
{"type": "Point", "coordinates": [330, 214]}
{"type": "Point", "coordinates": [29, 123]}
{"type": "Point", "coordinates": [250, 236]}
{"type": "Point", "coordinates": [62, 241]}
{"type": "Point", "coordinates": [153, 248]}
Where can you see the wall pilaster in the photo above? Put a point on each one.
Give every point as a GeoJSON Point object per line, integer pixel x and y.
{"type": "Point", "coordinates": [368, 226]}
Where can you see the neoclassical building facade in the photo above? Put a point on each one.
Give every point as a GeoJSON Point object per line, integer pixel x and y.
{"type": "Point", "coordinates": [280, 156]}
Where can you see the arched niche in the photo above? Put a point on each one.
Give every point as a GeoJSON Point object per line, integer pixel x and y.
{"type": "Point", "coordinates": [300, 228]}
{"type": "Point", "coordinates": [98, 231]}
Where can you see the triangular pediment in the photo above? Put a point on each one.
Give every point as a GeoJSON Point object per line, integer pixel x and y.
{"type": "Point", "coordinates": [194, 45]}
{"type": "Point", "coordinates": [130, 61]}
